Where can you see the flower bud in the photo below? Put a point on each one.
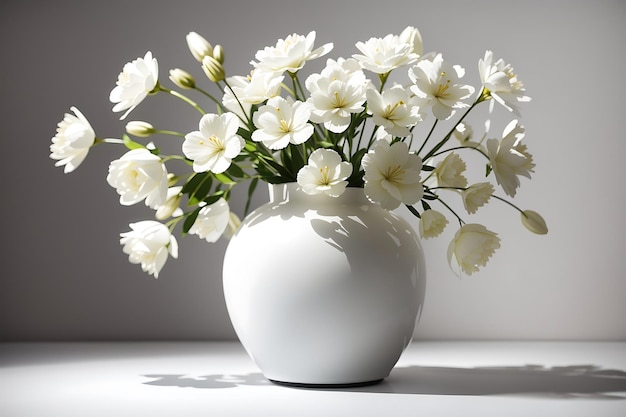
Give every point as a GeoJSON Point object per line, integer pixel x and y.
{"type": "Point", "coordinates": [141, 129]}
{"type": "Point", "coordinates": [233, 225]}
{"type": "Point", "coordinates": [182, 78]}
{"type": "Point", "coordinates": [218, 53]}
{"type": "Point", "coordinates": [171, 206]}
{"type": "Point", "coordinates": [171, 179]}
{"type": "Point", "coordinates": [213, 69]}
{"type": "Point", "coordinates": [198, 46]}
{"type": "Point", "coordinates": [534, 222]}
{"type": "Point", "coordinates": [411, 36]}
{"type": "Point", "coordinates": [432, 224]}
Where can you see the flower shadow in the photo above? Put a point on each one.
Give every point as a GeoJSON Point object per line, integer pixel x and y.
{"type": "Point", "coordinates": [536, 381]}
{"type": "Point", "coordinates": [576, 381]}
{"type": "Point", "coordinates": [207, 381]}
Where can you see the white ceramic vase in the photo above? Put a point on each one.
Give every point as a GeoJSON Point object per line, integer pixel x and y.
{"type": "Point", "coordinates": [324, 291]}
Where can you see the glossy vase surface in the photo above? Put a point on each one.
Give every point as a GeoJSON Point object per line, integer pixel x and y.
{"type": "Point", "coordinates": [323, 290]}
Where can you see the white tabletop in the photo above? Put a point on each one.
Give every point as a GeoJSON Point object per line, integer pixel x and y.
{"type": "Point", "coordinates": [179, 379]}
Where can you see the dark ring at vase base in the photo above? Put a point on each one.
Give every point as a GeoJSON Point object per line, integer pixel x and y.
{"type": "Point", "coordinates": [326, 386]}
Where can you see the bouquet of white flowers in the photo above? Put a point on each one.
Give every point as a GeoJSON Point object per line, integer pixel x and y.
{"type": "Point", "coordinates": [339, 129]}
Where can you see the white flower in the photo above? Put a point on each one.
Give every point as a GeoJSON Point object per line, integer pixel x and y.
{"type": "Point", "coordinates": [509, 158]}
{"type": "Point", "coordinates": [325, 173]}
{"type": "Point", "coordinates": [394, 109]}
{"type": "Point", "coordinates": [502, 82]}
{"type": "Point", "coordinates": [476, 196]}
{"type": "Point", "coordinates": [290, 54]}
{"type": "Point", "coordinates": [411, 36]}
{"type": "Point", "coordinates": [534, 222]}
{"type": "Point", "coordinates": [213, 147]}
{"type": "Point", "coordinates": [171, 206]}
{"type": "Point", "coordinates": [382, 55]}
{"type": "Point", "coordinates": [432, 224]}
{"type": "Point", "coordinates": [139, 175]}
{"type": "Point", "coordinates": [336, 93]}
{"type": "Point", "coordinates": [281, 122]}
{"type": "Point", "coordinates": [449, 172]}
{"type": "Point", "coordinates": [74, 137]}
{"type": "Point", "coordinates": [382, 134]}
{"type": "Point", "coordinates": [250, 90]}
{"type": "Point", "coordinates": [437, 83]}
{"type": "Point", "coordinates": [148, 243]}
{"type": "Point", "coordinates": [137, 79]}
{"type": "Point", "coordinates": [212, 221]}
{"type": "Point", "coordinates": [198, 46]}
{"type": "Point", "coordinates": [472, 246]}
{"type": "Point", "coordinates": [392, 175]}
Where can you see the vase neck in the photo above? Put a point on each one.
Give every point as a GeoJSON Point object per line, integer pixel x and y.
{"type": "Point", "coordinates": [292, 192]}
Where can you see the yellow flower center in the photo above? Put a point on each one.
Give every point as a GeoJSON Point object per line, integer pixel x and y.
{"type": "Point", "coordinates": [284, 126]}
{"type": "Point", "coordinates": [442, 88]}
{"type": "Point", "coordinates": [394, 174]}
{"type": "Point", "coordinates": [390, 110]}
{"type": "Point", "coordinates": [216, 144]}
{"type": "Point", "coordinates": [325, 179]}
{"type": "Point", "coordinates": [339, 101]}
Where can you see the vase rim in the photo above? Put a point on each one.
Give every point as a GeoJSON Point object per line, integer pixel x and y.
{"type": "Point", "coordinates": [291, 191]}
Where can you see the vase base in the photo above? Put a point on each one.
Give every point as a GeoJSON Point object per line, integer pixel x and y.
{"type": "Point", "coordinates": [326, 386]}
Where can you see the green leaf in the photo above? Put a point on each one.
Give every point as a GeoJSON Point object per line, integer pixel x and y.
{"type": "Point", "coordinates": [198, 187]}
{"type": "Point", "coordinates": [325, 144]}
{"type": "Point", "coordinates": [414, 211]}
{"type": "Point", "coordinates": [428, 168]}
{"type": "Point", "coordinates": [193, 182]}
{"type": "Point", "coordinates": [131, 144]}
{"type": "Point", "coordinates": [244, 133]}
{"type": "Point", "coordinates": [251, 189]}
{"type": "Point", "coordinates": [225, 179]}
{"type": "Point", "coordinates": [235, 171]}
{"type": "Point", "coordinates": [190, 220]}
{"type": "Point", "coordinates": [251, 147]}
{"type": "Point", "coordinates": [213, 198]}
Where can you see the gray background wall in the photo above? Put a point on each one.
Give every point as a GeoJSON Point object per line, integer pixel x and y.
{"type": "Point", "coordinates": [64, 276]}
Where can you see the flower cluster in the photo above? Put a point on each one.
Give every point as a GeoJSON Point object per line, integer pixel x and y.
{"type": "Point", "coordinates": [345, 126]}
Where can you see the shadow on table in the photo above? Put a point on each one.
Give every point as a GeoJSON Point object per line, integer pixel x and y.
{"type": "Point", "coordinates": [207, 381]}
{"type": "Point", "coordinates": [578, 381]}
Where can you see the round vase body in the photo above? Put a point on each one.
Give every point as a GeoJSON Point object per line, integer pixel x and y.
{"type": "Point", "coordinates": [323, 290]}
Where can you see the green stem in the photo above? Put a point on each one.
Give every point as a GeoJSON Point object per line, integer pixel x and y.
{"type": "Point", "coordinates": [461, 222]}
{"type": "Point", "coordinates": [173, 157]}
{"type": "Point", "coordinates": [183, 98]}
{"type": "Point", "coordinates": [432, 129]}
{"type": "Point", "coordinates": [462, 147]}
{"type": "Point", "coordinates": [383, 79]}
{"type": "Point", "coordinates": [447, 137]}
{"type": "Point", "coordinates": [170, 132]}
{"type": "Point", "coordinates": [509, 203]}
{"type": "Point", "coordinates": [289, 90]}
{"type": "Point", "coordinates": [216, 101]}
{"type": "Point", "coordinates": [429, 191]}
{"type": "Point", "coordinates": [107, 140]}
{"type": "Point", "coordinates": [247, 121]}
{"type": "Point", "coordinates": [171, 224]}
{"type": "Point", "coordinates": [295, 81]}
